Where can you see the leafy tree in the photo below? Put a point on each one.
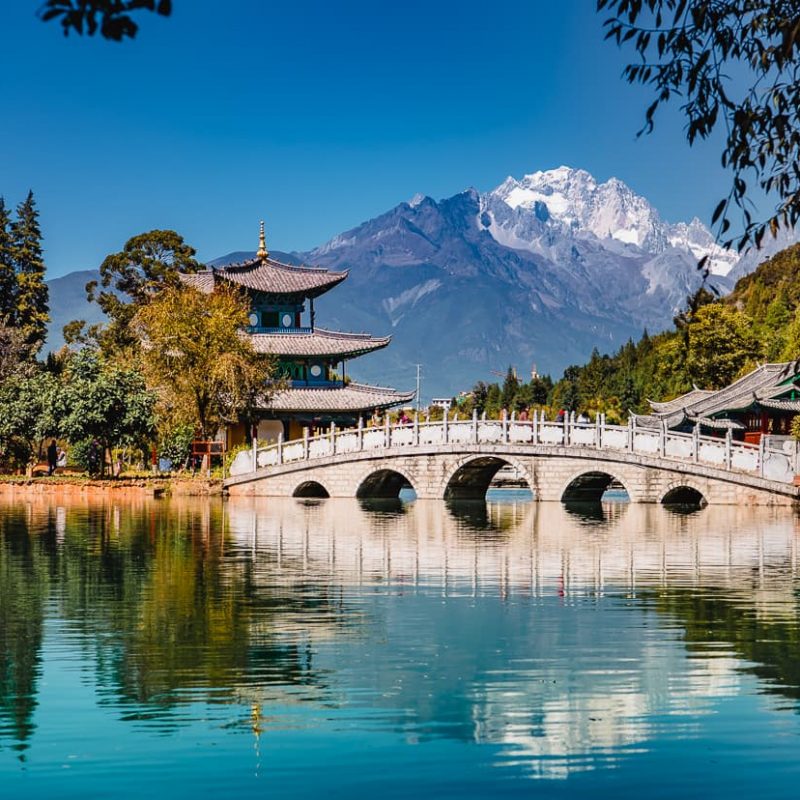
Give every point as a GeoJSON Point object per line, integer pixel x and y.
{"type": "Point", "coordinates": [510, 388]}
{"type": "Point", "coordinates": [105, 402]}
{"type": "Point", "coordinates": [28, 414]}
{"type": "Point", "coordinates": [696, 50]}
{"type": "Point", "coordinates": [131, 278]}
{"type": "Point", "coordinates": [480, 392]}
{"type": "Point", "coordinates": [494, 401]}
{"type": "Point", "coordinates": [721, 345]}
{"type": "Point", "coordinates": [31, 309]}
{"type": "Point", "coordinates": [8, 277]}
{"type": "Point", "coordinates": [14, 352]}
{"type": "Point", "coordinates": [205, 372]}
{"type": "Point", "coordinates": [112, 19]}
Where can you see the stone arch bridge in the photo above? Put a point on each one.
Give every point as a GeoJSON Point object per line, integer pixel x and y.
{"type": "Point", "coordinates": [559, 462]}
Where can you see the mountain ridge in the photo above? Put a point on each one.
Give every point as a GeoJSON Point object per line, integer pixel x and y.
{"type": "Point", "coordinates": [536, 271]}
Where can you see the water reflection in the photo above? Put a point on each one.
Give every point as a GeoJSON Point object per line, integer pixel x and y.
{"type": "Point", "coordinates": [559, 640]}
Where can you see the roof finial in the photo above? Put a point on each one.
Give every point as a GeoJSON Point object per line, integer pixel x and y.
{"type": "Point", "coordinates": [262, 243]}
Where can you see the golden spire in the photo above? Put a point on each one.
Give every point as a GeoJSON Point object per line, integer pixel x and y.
{"type": "Point", "coordinates": [262, 243]}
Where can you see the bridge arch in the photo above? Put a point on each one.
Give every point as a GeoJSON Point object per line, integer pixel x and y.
{"type": "Point", "coordinates": [589, 486]}
{"type": "Point", "coordinates": [471, 477]}
{"type": "Point", "coordinates": [683, 493]}
{"type": "Point", "coordinates": [383, 483]}
{"type": "Point", "coordinates": [310, 489]}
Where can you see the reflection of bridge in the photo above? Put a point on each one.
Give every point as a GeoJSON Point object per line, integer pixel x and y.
{"type": "Point", "coordinates": [560, 462]}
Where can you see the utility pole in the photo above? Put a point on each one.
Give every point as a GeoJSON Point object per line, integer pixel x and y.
{"type": "Point", "coordinates": [419, 381]}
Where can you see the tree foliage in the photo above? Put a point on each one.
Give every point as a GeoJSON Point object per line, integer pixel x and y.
{"type": "Point", "coordinates": [694, 52]}
{"type": "Point", "coordinates": [112, 19]}
{"type": "Point", "coordinates": [31, 311]}
{"type": "Point", "coordinates": [205, 372]}
{"type": "Point", "coordinates": [28, 414]}
{"type": "Point", "coordinates": [131, 278]}
{"type": "Point", "coordinates": [103, 401]}
{"type": "Point", "coordinates": [8, 277]}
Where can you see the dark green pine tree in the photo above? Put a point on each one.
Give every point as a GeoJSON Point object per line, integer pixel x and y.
{"type": "Point", "coordinates": [8, 278]}
{"type": "Point", "coordinates": [32, 311]}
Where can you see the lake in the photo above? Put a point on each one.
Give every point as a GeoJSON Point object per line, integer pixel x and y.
{"type": "Point", "coordinates": [335, 648]}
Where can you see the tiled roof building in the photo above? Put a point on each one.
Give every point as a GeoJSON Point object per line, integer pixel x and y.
{"type": "Point", "coordinates": [314, 390]}
{"type": "Point", "coordinates": [762, 402]}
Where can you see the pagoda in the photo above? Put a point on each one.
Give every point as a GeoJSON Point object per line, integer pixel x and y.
{"type": "Point", "coordinates": [311, 360]}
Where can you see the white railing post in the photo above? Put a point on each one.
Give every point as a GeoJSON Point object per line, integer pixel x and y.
{"type": "Point", "coordinates": [475, 425]}
{"type": "Point", "coordinates": [535, 426]}
{"type": "Point", "coordinates": [255, 453]}
{"type": "Point", "coordinates": [504, 427]}
{"type": "Point", "coordinates": [305, 443]}
{"type": "Point", "coordinates": [333, 438]}
{"type": "Point", "coordinates": [728, 448]}
{"type": "Point", "coordinates": [761, 453]}
{"type": "Point", "coordinates": [416, 429]}
{"type": "Point", "coordinates": [444, 427]}
{"type": "Point", "coordinates": [631, 432]}
{"type": "Point", "coordinates": [280, 447]}
{"type": "Point", "coordinates": [662, 439]}
{"type": "Point", "coordinates": [565, 429]}
{"type": "Point", "coordinates": [360, 432]}
{"type": "Point", "coordinates": [696, 443]}
{"type": "Point", "coordinates": [387, 433]}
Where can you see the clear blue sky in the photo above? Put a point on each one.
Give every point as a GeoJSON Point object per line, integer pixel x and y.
{"type": "Point", "coordinates": [316, 116]}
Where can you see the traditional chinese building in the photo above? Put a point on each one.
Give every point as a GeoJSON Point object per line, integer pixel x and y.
{"type": "Point", "coordinates": [312, 360]}
{"type": "Point", "coordinates": [763, 402]}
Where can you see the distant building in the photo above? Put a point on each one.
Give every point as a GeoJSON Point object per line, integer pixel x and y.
{"type": "Point", "coordinates": [311, 359]}
{"type": "Point", "coordinates": [763, 402]}
{"type": "Point", "coordinates": [442, 402]}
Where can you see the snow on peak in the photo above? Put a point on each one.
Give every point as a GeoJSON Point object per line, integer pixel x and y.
{"type": "Point", "coordinates": [571, 202]}
{"type": "Point", "coordinates": [416, 200]}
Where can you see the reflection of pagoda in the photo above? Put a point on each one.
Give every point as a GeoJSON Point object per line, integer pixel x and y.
{"type": "Point", "coordinates": [311, 359]}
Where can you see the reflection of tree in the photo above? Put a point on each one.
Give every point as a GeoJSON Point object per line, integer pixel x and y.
{"type": "Point", "coordinates": [162, 608]}
{"type": "Point", "coordinates": [771, 643]}
{"type": "Point", "coordinates": [25, 569]}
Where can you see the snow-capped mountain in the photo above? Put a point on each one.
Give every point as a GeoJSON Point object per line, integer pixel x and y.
{"type": "Point", "coordinates": [537, 271]}
{"type": "Point", "coordinates": [531, 212]}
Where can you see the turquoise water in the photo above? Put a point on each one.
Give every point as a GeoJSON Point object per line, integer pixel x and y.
{"type": "Point", "coordinates": [343, 649]}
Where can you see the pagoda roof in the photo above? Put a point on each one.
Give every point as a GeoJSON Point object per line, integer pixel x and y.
{"type": "Point", "coordinates": [265, 274]}
{"type": "Point", "coordinates": [319, 342]}
{"type": "Point", "coordinates": [688, 399]}
{"type": "Point", "coordinates": [352, 397]}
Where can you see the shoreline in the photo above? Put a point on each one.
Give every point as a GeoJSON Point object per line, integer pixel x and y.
{"type": "Point", "coordinates": [97, 487]}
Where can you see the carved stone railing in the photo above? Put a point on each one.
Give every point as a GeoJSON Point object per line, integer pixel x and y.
{"type": "Point", "coordinates": [721, 453]}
